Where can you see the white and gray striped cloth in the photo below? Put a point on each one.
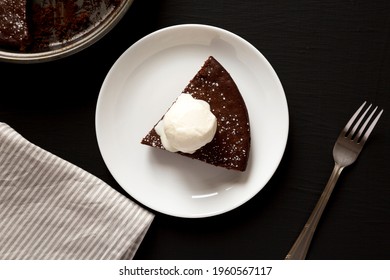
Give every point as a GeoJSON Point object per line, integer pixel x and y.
{"type": "Point", "coordinates": [52, 209]}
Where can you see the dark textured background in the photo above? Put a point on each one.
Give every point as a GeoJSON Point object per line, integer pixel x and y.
{"type": "Point", "coordinates": [330, 56]}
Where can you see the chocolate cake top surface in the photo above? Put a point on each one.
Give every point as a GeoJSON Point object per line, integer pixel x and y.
{"type": "Point", "coordinates": [42, 25]}
{"type": "Point", "coordinates": [56, 22]}
{"type": "Point", "coordinates": [13, 23]}
{"type": "Point", "coordinates": [231, 143]}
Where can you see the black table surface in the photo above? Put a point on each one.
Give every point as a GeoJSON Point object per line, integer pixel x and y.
{"type": "Point", "coordinates": [330, 56]}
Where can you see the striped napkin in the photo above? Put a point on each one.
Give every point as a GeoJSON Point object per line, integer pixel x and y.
{"type": "Point", "coordinates": [52, 209]}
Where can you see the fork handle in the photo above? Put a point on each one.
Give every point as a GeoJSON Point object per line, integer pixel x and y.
{"type": "Point", "coordinates": [299, 250]}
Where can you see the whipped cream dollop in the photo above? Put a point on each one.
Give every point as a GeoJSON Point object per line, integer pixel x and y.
{"type": "Point", "coordinates": [187, 126]}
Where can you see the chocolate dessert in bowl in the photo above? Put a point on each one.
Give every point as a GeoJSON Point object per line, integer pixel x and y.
{"type": "Point", "coordinates": [44, 30]}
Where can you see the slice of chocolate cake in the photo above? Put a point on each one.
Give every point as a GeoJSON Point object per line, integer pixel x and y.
{"type": "Point", "coordinates": [231, 143]}
{"type": "Point", "coordinates": [13, 24]}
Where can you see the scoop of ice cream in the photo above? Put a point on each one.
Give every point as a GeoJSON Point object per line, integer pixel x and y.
{"type": "Point", "coordinates": [187, 126]}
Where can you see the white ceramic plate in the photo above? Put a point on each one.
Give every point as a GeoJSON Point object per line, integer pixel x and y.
{"type": "Point", "coordinates": [145, 81]}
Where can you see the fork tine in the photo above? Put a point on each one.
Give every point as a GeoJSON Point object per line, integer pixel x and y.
{"type": "Point", "coordinates": [365, 124]}
{"type": "Point", "coordinates": [356, 126]}
{"type": "Point", "coordinates": [352, 119]}
{"type": "Point", "coordinates": [370, 128]}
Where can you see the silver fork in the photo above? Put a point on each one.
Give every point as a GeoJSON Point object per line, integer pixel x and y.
{"type": "Point", "coordinates": [345, 151]}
